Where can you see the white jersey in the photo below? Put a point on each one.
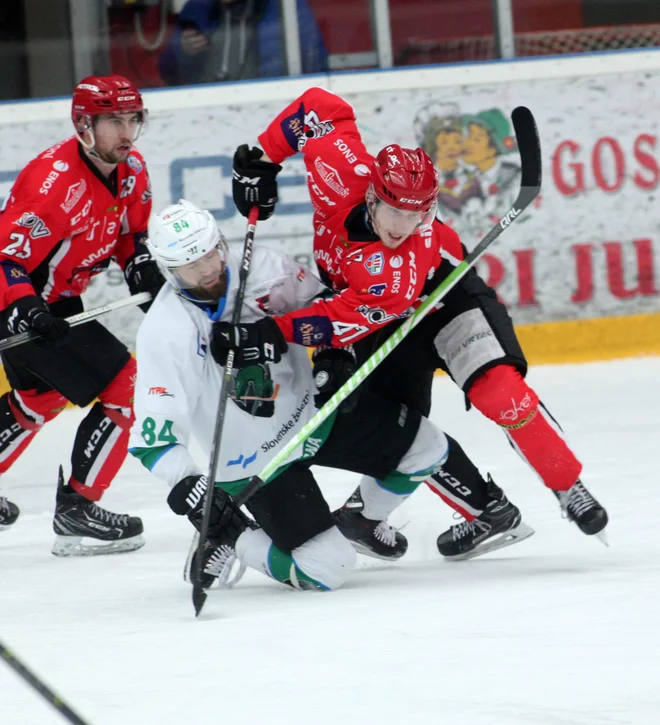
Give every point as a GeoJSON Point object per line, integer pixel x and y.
{"type": "Point", "coordinates": [178, 382]}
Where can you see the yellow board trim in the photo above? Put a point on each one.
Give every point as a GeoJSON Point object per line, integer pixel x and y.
{"type": "Point", "coordinates": [573, 341]}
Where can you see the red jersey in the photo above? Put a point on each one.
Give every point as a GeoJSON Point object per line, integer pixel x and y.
{"type": "Point", "coordinates": [374, 284]}
{"type": "Point", "coordinates": [63, 222]}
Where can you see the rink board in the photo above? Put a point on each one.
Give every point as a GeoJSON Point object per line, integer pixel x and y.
{"type": "Point", "coordinates": [575, 341]}
{"type": "Point", "coordinates": [586, 252]}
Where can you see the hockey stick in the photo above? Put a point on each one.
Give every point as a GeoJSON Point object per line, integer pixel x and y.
{"type": "Point", "coordinates": [22, 671]}
{"type": "Point", "coordinates": [198, 593]}
{"type": "Point", "coordinates": [530, 157]}
{"type": "Point", "coordinates": [78, 319]}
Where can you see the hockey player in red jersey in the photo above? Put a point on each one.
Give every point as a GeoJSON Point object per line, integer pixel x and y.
{"type": "Point", "coordinates": [379, 247]}
{"type": "Point", "coordinates": [72, 209]}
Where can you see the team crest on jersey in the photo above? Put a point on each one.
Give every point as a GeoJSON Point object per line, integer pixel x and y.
{"type": "Point", "coordinates": [134, 163]}
{"type": "Point", "coordinates": [375, 263]}
{"type": "Point", "coordinates": [301, 126]}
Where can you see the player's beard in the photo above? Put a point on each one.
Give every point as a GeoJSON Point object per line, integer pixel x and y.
{"type": "Point", "coordinates": [213, 292]}
{"type": "Point", "coordinates": [117, 155]}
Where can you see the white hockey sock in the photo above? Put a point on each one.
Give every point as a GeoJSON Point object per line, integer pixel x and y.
{"type": "Point", "coordinates": [378, 502]}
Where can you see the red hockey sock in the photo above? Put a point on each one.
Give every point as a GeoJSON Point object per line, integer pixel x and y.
{"type": "Point", "coordinates": [502, 395]}
{"type": "Point", "coordinates": [102, 440]}
{"type": "Point", "coordinates": [22, 414]}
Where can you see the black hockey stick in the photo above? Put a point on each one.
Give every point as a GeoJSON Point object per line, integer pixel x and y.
{"type": "Point", "coordinates": [530, 158]}
{"type": "Point", "coordinates": [198, 593]}
{"type": "Point", "coordinates": [22, 671]}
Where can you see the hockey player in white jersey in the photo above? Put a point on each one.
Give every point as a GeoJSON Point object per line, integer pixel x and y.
{"type": "Point", "coordinates": [177, 388]}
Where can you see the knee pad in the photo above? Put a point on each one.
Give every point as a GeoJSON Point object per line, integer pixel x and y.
{"type": "Point", "coordinates": [502, 395]}
{"type": "Point", "coordinates": [32, 409]}
{"type": "Point", "coordinates": [117, 397]}
{"type": "Point", "coordinates": [327, 558]}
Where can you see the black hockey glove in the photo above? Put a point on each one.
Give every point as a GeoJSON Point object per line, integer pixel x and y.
{"type": "Point", "coordinates": [142, 275]}
{"type": "Point", "coordinates": [227, 521]}
{"type": "Point", "coordinates": [254, 182]}
{"type": "Point", "coordinates": [255, 342]}
{"type": "Point", "coordinates": [32, 313]}
{"type": "Point", "coordinates": [333, 366]}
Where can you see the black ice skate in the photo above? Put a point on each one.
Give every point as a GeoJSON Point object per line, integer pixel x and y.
{"type": "Point", "coordinates": [77, 519]}
{"type": "Point", "coordinates": [499, 525]}
{"type": "Point", "coordinates": [582, 508]}
{"type": "Point", "coordinates": [8, 513]}
{"type": "Point", "coordinates": [371, 538]}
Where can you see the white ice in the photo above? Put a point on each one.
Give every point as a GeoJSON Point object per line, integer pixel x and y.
{"type": "Point", "coordinates": [555, 630]}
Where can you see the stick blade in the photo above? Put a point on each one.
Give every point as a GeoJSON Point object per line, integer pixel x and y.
{"type": "Point", "coordinates": [198, 599]}
{"type": "Point", "coordinates": [529, 146]}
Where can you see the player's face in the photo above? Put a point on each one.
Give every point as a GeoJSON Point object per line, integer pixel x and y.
{"type": "Point", "coordinates": [205, 277]}
{"type": "Point", "coordinates": [114, 134]}
{"type": "Point", "coordinates": [394, 226]}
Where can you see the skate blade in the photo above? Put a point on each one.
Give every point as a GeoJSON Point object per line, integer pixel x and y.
{"type": "Point", "coordinates": [66, 546]}
{"type": "Point", "coordinates": [191, 551]}
{"type": "Point", "coordinates": [4, 527]}
{"type": "Point", "coordinates": [366, 551]}
{"type": "Point", "coordinates": [602, 537]}
{"type": "Point", "coordinates": [501, 541]}
{"type": "Point", "coordinates": [231, 573]}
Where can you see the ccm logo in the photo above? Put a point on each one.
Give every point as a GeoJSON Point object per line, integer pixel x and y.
{"type": "Point", "coordinates": [410, 201]}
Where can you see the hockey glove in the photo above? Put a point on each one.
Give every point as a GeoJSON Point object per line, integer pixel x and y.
{"type": "Point", "coordinates": [256, 343]}
{"type": "Point", "coordinates": [254, 182]}
{"type": "Point", "coordinates": [142, 275]}
{"type": "Point", "coordinates": [227, 521]}
{"type": "Point", "coordinates": [32, 313]}
{"type": "Point", "coordinates": [333, 366]}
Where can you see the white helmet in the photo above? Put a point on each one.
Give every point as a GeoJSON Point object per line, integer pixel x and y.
{"type": "Point", "coordinates": [181, 234]}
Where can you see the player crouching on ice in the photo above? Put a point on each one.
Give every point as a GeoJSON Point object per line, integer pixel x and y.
{"type": "Point", "coordinates": [181, 349]}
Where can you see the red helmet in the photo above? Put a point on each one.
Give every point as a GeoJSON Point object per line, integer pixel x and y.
{"type": "Point", "coordinates": [405, 178]}
{"type": "Point", "coordinates": [105, 94]}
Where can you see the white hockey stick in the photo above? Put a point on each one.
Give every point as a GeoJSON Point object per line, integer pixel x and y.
{"type": "Point", "coordinates": [79, 319]}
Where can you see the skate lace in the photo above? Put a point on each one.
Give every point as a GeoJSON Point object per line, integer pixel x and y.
{"type": "Point", "coordinates": [217, 561]}
{"type": "Point", "coordinates": [579, 500]}
{"type": "Point", "coordinates": [108, 517]}
{"type": "Point", "coordinates": [468, 528]}
{"type": "Point", "coordinates": [220, 564]}
{"type": "Point", "coordinates": [385, 533]}
{"type": "Point", "coordinates": [4, 506]}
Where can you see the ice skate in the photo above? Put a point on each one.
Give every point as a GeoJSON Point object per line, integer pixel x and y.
{"type": "Point", "coordinates": [8, 513]}
{"type": "Point", "coordinates": [83, 528]}
{"type": "Point", "coordinates": [500, 525]}
{"type": "Point", "coordinates": [221, 565]}
{"type": "Point", "coordinates": [371, 538]}
{"type": "Point", "coordinates": [580, 507]}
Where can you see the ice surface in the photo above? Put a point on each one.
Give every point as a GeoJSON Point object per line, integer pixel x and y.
{"type": "Point", "coordinates": [556, 630]}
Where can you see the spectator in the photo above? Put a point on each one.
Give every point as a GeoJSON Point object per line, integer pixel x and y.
{"type": "Point", "coordinates": [221, 40]}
